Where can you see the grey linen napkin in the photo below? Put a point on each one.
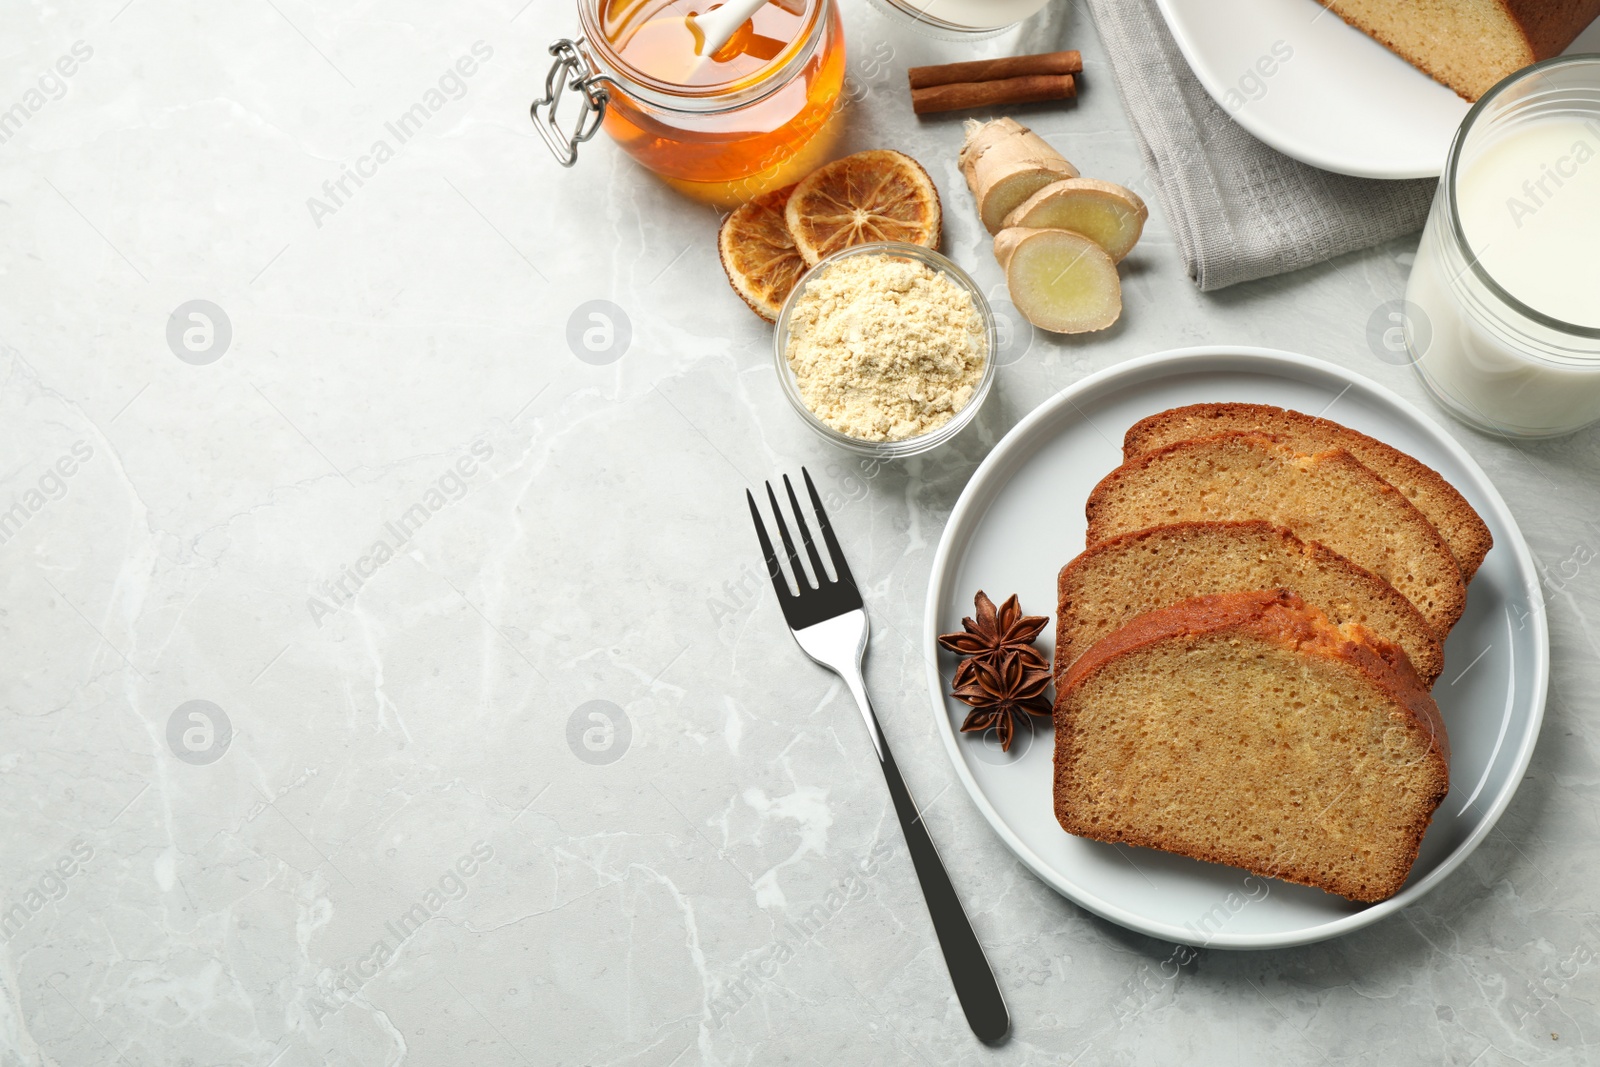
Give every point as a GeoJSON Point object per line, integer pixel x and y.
{"type": "Point", "coordinates": [1240, 210]}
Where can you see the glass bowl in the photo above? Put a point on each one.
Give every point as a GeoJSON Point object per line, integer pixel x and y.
{"type": "Point", "coordinates": [906, 446]}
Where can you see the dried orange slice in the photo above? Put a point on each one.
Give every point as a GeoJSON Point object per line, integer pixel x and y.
{"type": "Point", "coordinates": [870, 196]}
{"type": "Point", "coordinates": [758, 253]}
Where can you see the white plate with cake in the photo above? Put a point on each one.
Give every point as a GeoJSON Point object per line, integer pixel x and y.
{"type": "Point", "coordinates": [1303, 79]}
{"type": "Point", "coordinates": [1294, 684]}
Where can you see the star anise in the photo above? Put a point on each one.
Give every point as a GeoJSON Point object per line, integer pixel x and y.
{"type": "Point", "coordinates": [1001, 688]}
{"type": "Point", "coordinates": [992, 633]}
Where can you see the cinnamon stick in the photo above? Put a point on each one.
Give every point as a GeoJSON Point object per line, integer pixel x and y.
{"type": "Point", "coordinates": [962, 96]}
{"type": "Point", "coordinates": [986, 70]}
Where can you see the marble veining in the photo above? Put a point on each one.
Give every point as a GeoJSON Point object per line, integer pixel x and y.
{"type": "Point", "coordinates": [388, 680]}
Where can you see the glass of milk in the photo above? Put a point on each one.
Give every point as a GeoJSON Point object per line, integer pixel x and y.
{"type": "Point", "coordinates": [1503, 322]}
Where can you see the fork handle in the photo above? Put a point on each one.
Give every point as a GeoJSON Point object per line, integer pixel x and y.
{"type": "Point", "coordinates": [969, 968]}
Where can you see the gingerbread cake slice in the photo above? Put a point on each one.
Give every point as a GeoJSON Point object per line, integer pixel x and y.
{"type": "Point", "coordinates": [1247, 729]}
{"type": "Point", "coordinates": [1328, 497]}
{"type": "Point", "coordinates": [1461, 527]}
{"type": "Point", "coordinates": [1469, 45]}
{"type": "Point", "coordinates": [1115, 580]}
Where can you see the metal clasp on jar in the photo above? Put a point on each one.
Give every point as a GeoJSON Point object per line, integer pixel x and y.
{"type": "Point", "coordinates": [571, 70]}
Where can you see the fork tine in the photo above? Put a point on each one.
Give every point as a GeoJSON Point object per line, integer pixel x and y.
{"type": "Point", "coordinates": [835, 553]}
{"type": "Point", "coordinates": [773, 571]}
{"type": "Point", "coordinates": [805, 534]}
{"type": "Point", "coordinates": [800, 583]}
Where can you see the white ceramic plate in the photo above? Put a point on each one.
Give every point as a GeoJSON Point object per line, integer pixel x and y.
{"type": "Point", "coordinates": [1339, 101]}
{"type": "Point", "coordinates": [1021, 518]}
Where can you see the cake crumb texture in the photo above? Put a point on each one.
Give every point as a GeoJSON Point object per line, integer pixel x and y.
{"type": "Point", "coordinates": [1116, 580]}
{"type": "Point", "coordinates": [1457, 522]}
{"type": "Point", "coordinates": [1246, 729]}
{"type": "Point", "coordinates": [1469, 45]}
{"type": "Point", "coordinates": [1328, 497]}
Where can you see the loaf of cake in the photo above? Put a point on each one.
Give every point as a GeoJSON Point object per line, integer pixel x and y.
{"type": "Point", "coordinates": [1328, 497]}
{"type": "Point", "coordinates": [1447, 509]}
{"type": "Point", "coordinates": [1247, 729]}
{"type": "Point", "coordinates": [1469, 45]}
{"type": "Point", "coordinates": [1118, 579]}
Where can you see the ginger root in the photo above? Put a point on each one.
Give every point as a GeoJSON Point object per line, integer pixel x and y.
{"type": "Point", "coordinates": [1108, 214]}
{"type": "Point", "coordinates": [1005, 163]}
{"type": "Point", "coordinates": [1061, 281]}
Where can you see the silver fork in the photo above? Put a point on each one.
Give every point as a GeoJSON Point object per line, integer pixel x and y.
{"type": "Point", "coordinates": [829, 623]}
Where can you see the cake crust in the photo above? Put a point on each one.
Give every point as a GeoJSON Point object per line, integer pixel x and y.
{"type": "Point", "coordinates": [1549, 26]}
{"type": "Point", "coordinates": [1270, 620]}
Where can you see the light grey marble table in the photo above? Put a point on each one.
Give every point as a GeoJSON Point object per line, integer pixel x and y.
{"type": "Point", "coordinates": [504, 755]}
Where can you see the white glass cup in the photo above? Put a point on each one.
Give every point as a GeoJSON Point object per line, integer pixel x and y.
{"type": "Point", "coordinates": [1479, 326]}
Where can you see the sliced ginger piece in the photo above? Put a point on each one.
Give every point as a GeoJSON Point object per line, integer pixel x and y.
{"type": "Point", "coordinates": [1106, 213]}
{"type": "Point", "coordinates": [879, 195]}
{"type": "Point", "coordinates": [758, 253]}
{"type": "Point", "coordinates": [1061, 281]}
{"type": "Point", "coordinates": [1005, 163]}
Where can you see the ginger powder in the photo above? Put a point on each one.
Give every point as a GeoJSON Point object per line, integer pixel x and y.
{"type": "Point", "coordinates": [884, 348]}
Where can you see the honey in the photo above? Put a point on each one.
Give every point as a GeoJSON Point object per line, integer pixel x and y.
{"type": "Point", "coordinates": [724, 126]}
{"type": "Point", "coordinates": [653, 37]}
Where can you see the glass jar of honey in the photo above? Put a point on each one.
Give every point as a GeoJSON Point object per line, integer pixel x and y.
{"type": "Point", "coordinates": [723, 126]}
